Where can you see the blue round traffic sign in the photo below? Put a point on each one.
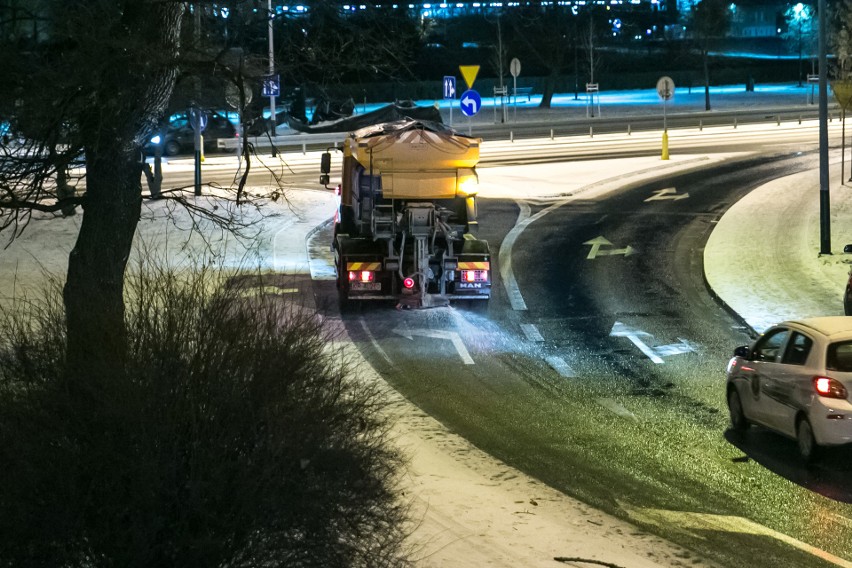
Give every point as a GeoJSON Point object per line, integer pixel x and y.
{"type": "Point", "coordinates": [470, 102]}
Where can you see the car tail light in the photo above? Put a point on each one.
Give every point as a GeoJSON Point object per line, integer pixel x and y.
{"type": "Point", "coordinates": [408, 283]}
{"type": "Point", "coordinates": [361, 276]}
{"type": "Point", "coordinates": [829, 388]}
{"type": "Point", "coordinates": [474, 275]}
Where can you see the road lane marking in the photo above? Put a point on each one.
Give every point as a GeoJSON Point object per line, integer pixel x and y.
{"type": "Point", "coordinates": [452, 336]}
{"type": "Point", "coordinates": [669, 193]}
{"type": "Point", "coordinates": [682, 346]}
{"type": "Point", "coordinates": [507, 275]}
{"type": "Point", "coordinates": [375, 343]}
{"type": "Point", "coordinates": [616, 408]}
{"type": "Point", "coordinates": [657, 353]}
{"type": "Point", "coordinates": [601, 241]}
{"type": "Point", "coordinates": [684, 520]}
{"type": "Point", "coordinates": [621, 330]}
{"type": "Point", "coordinates": [560, 366]}
{"type": "Point", "coordinates": [531, 331]}
{"type": "Point", "coordinates": [844, 520]}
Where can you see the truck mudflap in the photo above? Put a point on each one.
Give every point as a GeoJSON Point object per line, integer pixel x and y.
{"type": "Point", "coordinates": [472, 280]}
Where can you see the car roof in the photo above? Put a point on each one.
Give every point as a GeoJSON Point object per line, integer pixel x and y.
{"type": "Point", "coordinates": [830, 326]}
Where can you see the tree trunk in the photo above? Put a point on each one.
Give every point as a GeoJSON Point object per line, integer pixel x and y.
{"type": "Point", "coordinates": [706, 81]}
{"type": "Point", "coordinates": [93, 295]}
{"type": "Point", "coordinates": [549, 87]}
{"type": "Point", "coordinates": [135, 90]}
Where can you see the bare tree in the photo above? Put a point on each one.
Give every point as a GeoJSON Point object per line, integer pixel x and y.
{"type": "Point", "coordinates": [709, 21]}
{"type": "Point", "coordinates": [109, 407]}
{"type": "Point", "coordinates": [237, 437]}
{"type": "Point", "coordinates": [85, 85]}
{"type": "Point", "coordinates": [323, 49]}
{"type": "Point", "coordinates": [86, 90]}
{"type": "Point", "coordinates": [801, 32]}
{"type": "Point", "coordinates": [546, 33]}
{"type": "Point", "coordinates": [841, 38]}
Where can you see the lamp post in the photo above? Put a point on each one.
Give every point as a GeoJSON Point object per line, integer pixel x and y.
{"type": "Point", "coordinates": [271, 73]}
{"type": "Point", "coordinates": [825, 231]}
{"type": "Point", "coordinates": [798, 16]}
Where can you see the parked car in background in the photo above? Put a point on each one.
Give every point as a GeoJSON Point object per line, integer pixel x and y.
{"type": "Point", "coordinates": [180, 137]}
{"type": "Point", "coordinates": [796, 379]}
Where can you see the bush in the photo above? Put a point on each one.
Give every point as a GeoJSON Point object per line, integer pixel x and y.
{"type": "Point", "coordinates": [235, 437]}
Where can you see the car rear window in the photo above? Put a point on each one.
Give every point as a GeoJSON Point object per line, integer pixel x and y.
{"type": "Point", "coordinates": [839, 357]}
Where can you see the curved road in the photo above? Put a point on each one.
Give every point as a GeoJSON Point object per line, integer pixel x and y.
{"type": "Point", "coordinates": [609, 385]}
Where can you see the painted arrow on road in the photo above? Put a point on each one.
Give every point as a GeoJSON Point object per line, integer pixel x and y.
{"type": "Point", "coordinates": [599, 242]}
{"type": "Point", "coordinates": [670, 193]}
{"type": "Point", "coordinates": [439, 334]}
{"type": "Point", "coordinates": [655, 354]}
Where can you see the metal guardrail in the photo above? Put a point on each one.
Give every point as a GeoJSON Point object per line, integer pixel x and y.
{"type": "Point", "coordinates": [567, 127]}
{"type": "Point", "coordinates": [289, 140]}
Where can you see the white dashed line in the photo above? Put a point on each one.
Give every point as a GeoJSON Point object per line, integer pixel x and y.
{"type": "Point", "coordinates": [616, 408]}
{"type": "Point", "coordinates": [531, 331]}
{"type": "Point", "coordinates": [560, 366]}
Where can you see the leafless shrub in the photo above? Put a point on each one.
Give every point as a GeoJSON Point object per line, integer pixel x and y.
{"type": "Point", "coordinates": [233, 437]}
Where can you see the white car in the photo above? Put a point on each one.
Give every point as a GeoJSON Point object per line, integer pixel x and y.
{"type": "Point", "coordinates": [796, 379]}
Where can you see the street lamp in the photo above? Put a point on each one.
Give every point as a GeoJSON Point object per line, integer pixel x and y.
{"type": "Point", "coordinates": [271, 74]}
{"type": "Point", "coordinates": [799, 16]}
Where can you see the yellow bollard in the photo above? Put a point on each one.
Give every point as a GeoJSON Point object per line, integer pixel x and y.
{"type": "Point", "coordinates": [202, 146]}
{"type": "Point", "coordinates": [665, 145]}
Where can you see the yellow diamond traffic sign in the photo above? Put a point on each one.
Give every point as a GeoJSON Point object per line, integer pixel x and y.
{"type": "Point", "coordinates": [469, 73]}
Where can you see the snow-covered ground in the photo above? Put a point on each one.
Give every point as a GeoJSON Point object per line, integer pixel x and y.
{"type": "Point", "coordinates": [473, 510]}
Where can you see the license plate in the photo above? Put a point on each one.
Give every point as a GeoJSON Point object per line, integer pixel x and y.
{"type": "Point", "coordinates": [375, 286]}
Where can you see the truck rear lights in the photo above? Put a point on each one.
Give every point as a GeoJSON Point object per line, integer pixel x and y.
{"type": "Point", "coordinates": [829, 388]}
{"type": "Point", "coordinates": [361, 276]}
{"type": "Point", "coordinates": [408, 283]}
{"type": "Point", "coordinates": [474, 275]}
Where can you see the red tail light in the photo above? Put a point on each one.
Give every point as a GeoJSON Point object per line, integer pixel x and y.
{"type": "Point", "coordinates": [829, 388]}
{"type": "Point", "coordinates": [408, 283]}
{"type": "Point", "coordinates": [474, 275]}
{"type": "Point", "coordinates": [361, 276]}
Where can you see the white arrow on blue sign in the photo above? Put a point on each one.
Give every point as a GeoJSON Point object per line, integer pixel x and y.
{"type": "Point", "coordinates": [470, 102]}
{"type": "Point", "coordinates": [449, 87]}
{"type": "Point", "coordinates": [271, 86]}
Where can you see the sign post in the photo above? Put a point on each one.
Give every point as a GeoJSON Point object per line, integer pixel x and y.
{"type": "Point", "coordinates": [470, 101]}
{"type": "Point", "coordinates": [198, 121]}
{"type": "Point", "coordinates": [450, 92]}
{"type": "Point", "coordinates": [666, 89]}
{"type": "Point", "coordinates": [515, 70]}
{"type": "Point", "coordinates": [501, 91]}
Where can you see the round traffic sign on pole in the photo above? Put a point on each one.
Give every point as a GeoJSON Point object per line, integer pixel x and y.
{"type": "Point", "coordinates": [665, 88]}
{"type": "Point", "coordinates": [515, 67]}
{"type": "Point", "coordinates": [470, 102]}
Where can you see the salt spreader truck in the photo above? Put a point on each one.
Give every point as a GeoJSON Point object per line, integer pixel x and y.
{"type": "Point", "coordinates": [406, 226]}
